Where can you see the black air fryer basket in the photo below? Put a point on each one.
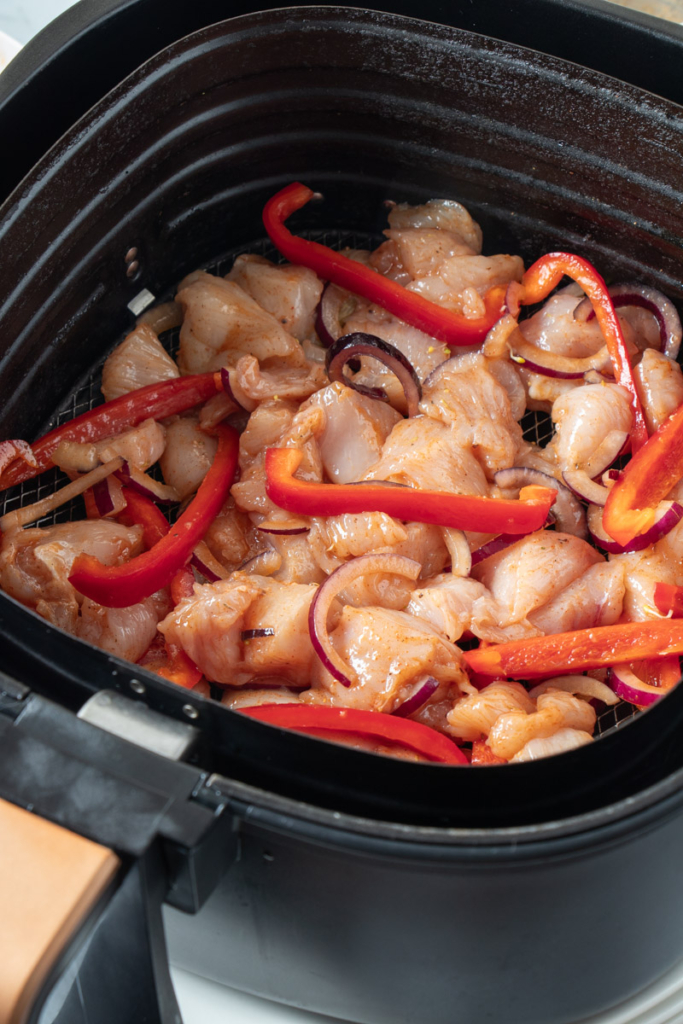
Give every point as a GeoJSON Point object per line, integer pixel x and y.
{"type": "Point", "coordinates": [340, 862]}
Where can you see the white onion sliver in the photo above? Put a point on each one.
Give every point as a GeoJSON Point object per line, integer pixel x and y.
{"type": "Point", "coordinates": [459, 550]}
{"type": "Point", "coordinates": [586, 686]}
{"type": "Point", "coordinates": [396, 565]}
{"type": "Point", "coordinates": [582, 485]}
{"type": "Point", "coordinates": [22, 516]}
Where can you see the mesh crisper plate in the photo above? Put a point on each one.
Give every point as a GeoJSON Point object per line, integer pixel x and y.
{"type": "Point", "coordinates": [536, 426]}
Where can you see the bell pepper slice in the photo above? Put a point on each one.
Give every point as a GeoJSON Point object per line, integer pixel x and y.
{"type": "Point", "coordinates": [578, 650]}
{"type": "Point", "coordinates": [482, 754]}
{"type": "Point", "coordinates": [155, 400]}
{"type": "Point", "coordinates": [669, 600]}
{"type": "Point", "coordinates": [545, 274]}
{"type": "Point", "coordinates": [461, 511]}
{"type": "Point", "coordinates": [118, 586]}
{"type": "Point", "coordinates": [141, 511]}
{"type": "Point", "coordinates": [631, 505]}
{"type": "Point", "coordinates": [414, 309]}
{"type": "Point", "coordinates": [373, 724]}
{"type": "Point", "coordinates": [171, 662]}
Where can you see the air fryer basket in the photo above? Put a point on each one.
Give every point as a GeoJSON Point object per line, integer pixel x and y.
{"type": "Point", "coordinates": [364, 107]}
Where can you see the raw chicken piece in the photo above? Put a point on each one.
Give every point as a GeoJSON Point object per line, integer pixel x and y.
{"type": "Point", "coordinates": [124, 632]}
{"type": "Point", "coordinates": [386, 652]}
{"type": "Point", "coordinates": [659, 383]}
{"type": "Point", "coordinates": [584, 417]}
{"type": "Point", "coordinates": [209, 625]}
{"type": "Point", "coordinates": [465, 395]}
{"type": "Point", "coordinates": [355, 429]}
{"type": "Point", "coordinates": [534, 570]}
{"type": "Point", "coordinates": [221, 323]}
{"type": "Point", "coordinates": [455, 605]}
{"type": "Point", "coordinates": [475, 716]}
{"type": "Point", "coordinates": [556, 710]}
{"type": "Point", "coordinates": [444, 214]}
{"type": "Point", "coordinates": [252, 385]}
{"type": "Point", "coordinates": [596, 598]}
{"type": "Point", "coordinates": [35, 564]}
{"type": "Point", "coordinates": [289, 293]}
{"type": "Point", "coordinates": [188, 455]}
{"type": "Point", "coordinates": [424, 453]}
{"type": "Point", "coordinates": [139, 360]}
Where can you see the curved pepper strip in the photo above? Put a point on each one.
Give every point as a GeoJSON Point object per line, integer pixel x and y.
{"type": "Point", "coordinates": [578, 650]}
{"type": "Point", "coordinates": [440, 323]}
{"type": "Point", "coordinates": [631, 505]}
{"type": "Point", "coordinates": [319, 719]}
{"type": "Point", "coordinates": [140, 511]}
{"type": "Point", "coordinates": [118, 586]}
{"type": "Point", "coordinates": [461, 511]}
{"type": "Point", "coordinates": [155, 400]}
{"type": "Point", "coordinates": [545, 274]}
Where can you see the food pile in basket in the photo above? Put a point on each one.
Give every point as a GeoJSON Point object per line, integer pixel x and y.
{"type": "Point", "coordinates": [363, 545]}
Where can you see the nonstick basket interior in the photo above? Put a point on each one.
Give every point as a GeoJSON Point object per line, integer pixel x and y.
{"type": "Point", "coordinates": [364, 107]}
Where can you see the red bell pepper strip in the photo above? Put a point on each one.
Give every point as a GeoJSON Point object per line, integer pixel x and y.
{"type": "Point", "coordinates": [482, 754]}
{"type": "Point", "coordinates": [669, 600]}
{"type": "Point", "coordinates": [140, 511]}
{"type": "Point", "coordinates": [545, 274]}
{"type": "Point", "coordinates": [319, 718]}
{"type": "Point", "coordinates": [461, 511]}
{"type": "Point", "coordinates": [156, 401]}
{"type": "Point", "coordinates": [578, 650]}
{"type": "Point", "coordinates": [118, 586]}
{"type": "Point", "coordinates": [171, 662]}
{"type": "Point", "coordinates": [440, 323]}
{"type": "Point", "coordinates": [143, 512]}
{"type": "Point", "coordinates": [631, 505]}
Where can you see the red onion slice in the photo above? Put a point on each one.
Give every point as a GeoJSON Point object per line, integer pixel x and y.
{"type": "Point", "coordinates": [669, 513]}
{"type": "Point", "coordinates": [132, 477]}
{"type": "Point", "coordinates": [422, 691]}
{"type": "Point", "coordinates": [628, 686]}
{"type": "Point", "coordinates": [568, 512]}
{"type": "Point", "coordinates": [256, 634]}
{"type": "Point", "coordinates": [327, 323]}
{"type": "Point", "coordinates": [283, 528]}
{"type": "Point", "coordinates": [551, 364]}
{"type": "Point", "coordinates": [205, 563]}
{"type": "Point", "coordinates": [492, 547]}
{"type": "Point", "coordinates": [108, 497]}
{"type": "Point", "coordinates": [351, 346]}
{"type": "Point", "coordinates": [588, 490]}
{"type": "Point", "coordinates": [365, 565]}
{"type": "Point", "coordinates": [640, 295]}
{"type": "Point", "coordinates": [228, 390]}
